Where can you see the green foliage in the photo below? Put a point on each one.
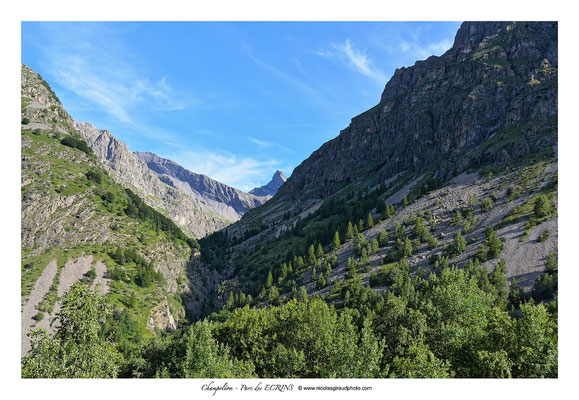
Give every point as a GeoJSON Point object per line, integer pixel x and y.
{"type": "Point", "coordinates": [456, 218]}
{"type": "Point", "coordinates": [349, 232]}
{"type": "Point", "coordinates": [25, 121]}
{"type": "Point", "coordinates": [542, 207]}
{"type": "Point", "coordinates": [75, 351]}
{"type": "Point", "coordinates": [545, 287]}
{"type": "Point", "coordinates": [543, 236]}
{"type": "Point", "coordinates": [487, 204]}
{"type": "Point", "coordinates": [94, 175]}
{"type": "Point", "coordinates": [383, 238]}
{"type": "Point", "coordinates": [516, 294]}
{"type": "Point", "coordinates": [336, 243]}
{"type": "Point", "coordinates": [457, 246]}
{"type": "Point", "coordinates": [204, 358]}
{"type": "Point", "coordinates": [301, 339]}
{"type": "Point", "coordinates": [419, 362]}
{"type": "Point", "coordinates": [77, 144]}
{"type": "Point", "coordinates": [137, 209]}
{"type": "Point", "coordinates": [269, 280]}
{"type": "Point", "coordinates": [491, 247]}
{"type": "Point", "coordinates": [552, 265]}
{"type": "Point", "coordinates": [369, 221]}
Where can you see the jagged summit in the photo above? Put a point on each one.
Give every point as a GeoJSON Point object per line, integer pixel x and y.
{"type": "Point", "coordinates": [227, 202]}
{"type": "Point", "coordinates": [272, 187]}
{"type": "Point", "coordinates": [498, 77]}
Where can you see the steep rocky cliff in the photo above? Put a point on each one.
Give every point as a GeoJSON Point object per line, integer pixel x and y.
{"type": "Point", "coordinates": [490, 99]}
{"type": "Point", "coordinates": [211, 196]}
{"type": "Point", "coordinates": [190, 212]}
{"type": "Point", "coordinates": [76, 219]}
{"type": "Point", "coordinates": [477, 123]}
{"type": "Point", "coordinates": [272, 187]}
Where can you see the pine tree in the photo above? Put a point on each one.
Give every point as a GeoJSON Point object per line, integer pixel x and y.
{"type": "Point", "coordinates": [336, 243]}
{"type": "Point", "coordinates": [383, 238]}
{"type": "Point", "coordinates": [319, 251]}
{"type": "Point", "coordinates": [407, 251]}
{"type": "Point", "coordinates": [349, 231]}
{"type": "Point", "coordinates": [269, 281]}
{"type": "Point", "coordinates": [230, 302]}
{"type": "Point", "coordinates": [369, 221]}
{"type": "Point", "coordinates": [360, 225]}
{"type": "Point", "coordinates": [311, 258]}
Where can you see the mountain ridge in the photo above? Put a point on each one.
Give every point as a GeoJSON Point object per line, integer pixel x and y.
{"type": "Point", "coordinates": [271, 188]}
{"type": "Point", "coordinates": [225, 201]}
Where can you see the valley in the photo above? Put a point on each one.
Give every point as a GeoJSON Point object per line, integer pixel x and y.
{"type": "Point", "coordinates": [421, 242]}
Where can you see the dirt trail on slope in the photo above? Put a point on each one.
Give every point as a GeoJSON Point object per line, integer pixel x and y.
{"type": "Point", "coordinates": [29, 310]}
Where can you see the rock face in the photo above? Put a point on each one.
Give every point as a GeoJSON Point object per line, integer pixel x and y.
{"type": "Point", "coordinates": [489, 99]}
{"type": "Point", "coordinates": [189, 212]}
{"type": "Point", "coordinates": [212, 197]}
{"type": "Point", "coordinates": [74, 208]}
{"type": "Point", "coordinates": [272, 187]}
{"type": "Point", "coordinates": [489, 104]}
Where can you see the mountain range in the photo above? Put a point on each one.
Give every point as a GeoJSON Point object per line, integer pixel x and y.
{"type": "Point", "coordinates": [420, 242]}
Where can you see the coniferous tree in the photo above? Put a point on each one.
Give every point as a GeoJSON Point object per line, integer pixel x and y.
{"type": "Point", "coordinates": [369, 221]}
{"type": "Point", "coordinates": [349, 232]}
{"type": "Point", "coordinates": [336, 243]}
{"type": "Point", "coordinates": [311, 255]}
{"type": "Point", "coordinates": [269, 280]}
{"type": "Point", "coordinates": [319, 251]}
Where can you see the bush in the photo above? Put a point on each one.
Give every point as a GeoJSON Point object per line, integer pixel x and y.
{"type": "Point", "coordinates": [543, 236]}
{"type": "Point", "coordinates": [77, 144]}
{"type": "Point", "coordinates": [95, 176]}
{"type": "Point", "coordinates": [487, 204]}
{"type": "Point", "coordinates": [25, 121]}
{"type": "Point", "coordinates": [39, 316]}
{"type": "Point", "coordinates": [542, 207]}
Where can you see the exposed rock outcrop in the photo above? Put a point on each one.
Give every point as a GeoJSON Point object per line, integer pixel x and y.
{"type": "Point", "coordinates": [211, 196]}
{"type": "Point", "coordinates": [272, 187]}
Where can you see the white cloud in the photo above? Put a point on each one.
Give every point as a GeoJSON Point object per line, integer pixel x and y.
{"type": "Point", "coordinates": [355, 59]}
{"type": "Point", "coordinates": [260, 143]}
{"type": "Point", "coordinates": [422, 52]}
{"type": "Point", "coordinates": [243, 173]}
{"type": "Point", "coordinates": [104, 73]}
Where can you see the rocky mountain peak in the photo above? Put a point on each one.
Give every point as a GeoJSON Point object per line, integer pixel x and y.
{"type": "Point", "coordinates": [272, 187]}
{"type": "Point", "coordinates": [499, 78]}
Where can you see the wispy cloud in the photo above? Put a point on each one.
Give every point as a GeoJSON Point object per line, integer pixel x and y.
{"type": "Point", "coordinates": [260, 143]}
{"type": "Point", "coordinates": [355, 59]}
{"type": "Point", "coordinates": [264, 144]}
{"type": "Point", "coordinates": [243, 173]}
{"type": "Point", "coordinates": [313, 93]}
{"type": "Point", "coordinates": [422, 52]}
{"type": "Point", "coordinates": [103, 73]}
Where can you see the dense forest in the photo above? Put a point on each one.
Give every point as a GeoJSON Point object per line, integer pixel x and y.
{"type": "Point", "coordinates": [455, 323]}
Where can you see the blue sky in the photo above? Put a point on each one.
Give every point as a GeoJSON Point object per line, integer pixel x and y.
{"type": "Point", "coordinates": [232, 100]}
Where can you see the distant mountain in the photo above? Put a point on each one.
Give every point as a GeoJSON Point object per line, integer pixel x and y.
{"type": "Point", "coordinates": [470, 135]}
{"type": "Point", "coordinates": [192, 213]}
{"type": "Point", "coordinates": [211, 196]}
{"type": "Point", "coordinates": [272, 187]}
{"type": "Point", "coordinates": [76, 217]}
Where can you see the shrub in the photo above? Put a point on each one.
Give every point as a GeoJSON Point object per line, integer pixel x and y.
{"type": "Point", "coordinates": [542, 207]}
{"type": "Point", "coordinates": [25, 121]}
{"type": "Point", "coordinates": [487, 204]}
{"type": "Point", "coordinates": [77, 144]}
{"type": "Point", "coordinates": [543, 236]}
{"type": "Point", "coordinates": [39, 316]}
{"type": "Point", "coordinates": [95, 176]}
